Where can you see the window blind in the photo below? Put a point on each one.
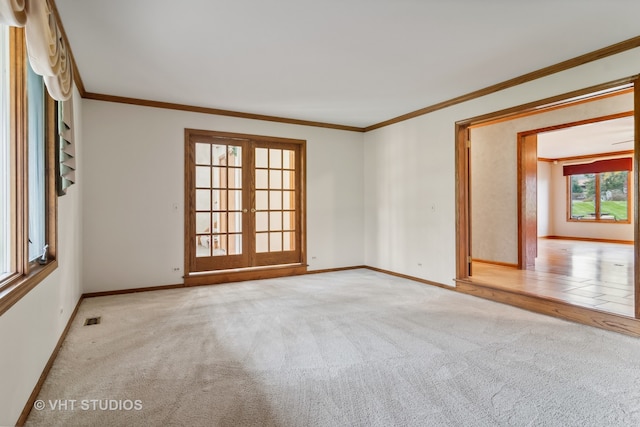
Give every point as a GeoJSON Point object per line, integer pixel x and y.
{"type": "Point", "coordinates": [66, 148]}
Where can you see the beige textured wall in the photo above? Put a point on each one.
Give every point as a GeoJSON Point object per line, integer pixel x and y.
{"type": "Point", "coordinates": [494, 195]}
{"type": "Point", "coordinates": [545, 199]}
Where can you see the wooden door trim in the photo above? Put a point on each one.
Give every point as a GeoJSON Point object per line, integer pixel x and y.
{"type": "Point", "coordinates": [242, 274]}
{"type": "Point", "coordinates": [524, 243]}
{"type": "Point", "coordinates": [230, 260]}
{"type": "Point", "coordinates": [243, 136]}
{"type": "Point", "coordinates": [627, 153]}
{"type": "Point", "coordinates": [462, 187]}
{"type": "Point", "coordinates": [288, 266]}
{"type": "Point", "coordinates": [636, 199]}
{"type": "Point", "coordinates": [527, 201]}
{"type": "Point", "coordinates": [463, 202]}
{"type": "Point", "coordinates": [275, 258]}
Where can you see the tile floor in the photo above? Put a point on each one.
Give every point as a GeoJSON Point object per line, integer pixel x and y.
{"type": "Point", "coordinates": [589, 274]}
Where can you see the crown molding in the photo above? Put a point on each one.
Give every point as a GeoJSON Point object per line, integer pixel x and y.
{"type": "Point", "coordinates": [614, 49]}
{"type": "Point", "coordinates": [215, 111]}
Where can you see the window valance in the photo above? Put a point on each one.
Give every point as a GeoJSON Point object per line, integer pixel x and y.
{"type": "Point", "coordinates": [609, 165]}
{"type": "Point", "coordinates": [47, 51]}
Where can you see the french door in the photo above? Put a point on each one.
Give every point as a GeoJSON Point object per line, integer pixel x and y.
{"type": "Point", "coordinates": [243, 201]}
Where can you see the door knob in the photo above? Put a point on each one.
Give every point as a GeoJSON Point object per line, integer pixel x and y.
{"type": "Point", "coordinates": [253, 210]}
{"type": "Point", "coordinates": [244, 210]}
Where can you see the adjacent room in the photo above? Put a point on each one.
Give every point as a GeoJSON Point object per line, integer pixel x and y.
{"type": "Point", "coordinates": [286, 213]}
{"type": "Point", "coordinates": [583, 250]}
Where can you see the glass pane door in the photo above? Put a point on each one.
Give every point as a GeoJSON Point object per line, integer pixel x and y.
{"type": "Point", "coordinates": [244, 201]}
{"type": "Point", "coordinates": [219, 205]}
{"type": "Point", "coordinates": [276, 204]}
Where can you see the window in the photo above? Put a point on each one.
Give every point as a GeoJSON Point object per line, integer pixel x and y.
{"type": "Point", "coordinates": [27, 175]}
{"type": "Point", "coordinates": [599, 194]}
{"type": "Point", "coordinates": [36, 153]}
{"type": "Point", "coordinates": [5, 158]}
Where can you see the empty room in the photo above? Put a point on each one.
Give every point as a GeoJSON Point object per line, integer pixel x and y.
{"type": "Point", "coordinates": [296, 213]}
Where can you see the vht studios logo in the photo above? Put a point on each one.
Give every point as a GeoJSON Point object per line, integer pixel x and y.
{"type": "Point", "coordinates": [88, 405]}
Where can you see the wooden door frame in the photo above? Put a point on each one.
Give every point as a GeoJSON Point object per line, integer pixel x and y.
{"type": "Point", "coordinates": [192, 277]}
{"type": "Point", "coordinates": [527, 200]}
{"type": "Point", "coordinates": [268, 258]}
{"type": "Point", "coordinates": [462, 167]}
{"type": "Point", "coordinates": [636, 201]}
{"type": "Point", "coordinates": [463, 202]}
{"type": "Point", "coordinates": [527, 197]}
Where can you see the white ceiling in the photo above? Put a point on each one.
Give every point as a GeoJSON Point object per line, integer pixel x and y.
{"type": "Point", "coordinates": [593, 138]}
{"type": "Point", "coordinates": [349, 62]}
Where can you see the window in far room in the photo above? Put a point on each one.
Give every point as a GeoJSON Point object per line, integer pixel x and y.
{"type": "Point", "coordinates": [599, 194]}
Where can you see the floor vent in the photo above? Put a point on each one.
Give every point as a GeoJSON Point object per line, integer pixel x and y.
{"type": "Point", "coordinates": [92, 321]}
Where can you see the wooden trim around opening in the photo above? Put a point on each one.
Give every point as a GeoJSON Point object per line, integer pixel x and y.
{"type": "Point", "coordinates": [463, 202]}
{"type": "Point", "coordinates": [551, 307]}
{"type": "Point", "coordinates": [588, 156]}
{"type": "Point", "coordinates": [527, 196]}
{"type": "Point", "coordinates": [541, 104]}
{"type": "Point", "coordinates": [542, 305]}
{"type": "Point", "coordinates": [636, 199]}
{"type": "Point", "coordinates": [463, 186]}
{"type": "Point", "coordinates": [558, 106]}
{"type": "Point", "coordinates": [578, 123]}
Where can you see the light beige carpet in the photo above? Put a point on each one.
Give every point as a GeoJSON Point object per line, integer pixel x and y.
{"type": "Point", "coordinates": [353, 348]}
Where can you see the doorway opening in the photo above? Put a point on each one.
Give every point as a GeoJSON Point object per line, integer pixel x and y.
{"type": "Point", "coordinates": [534, 223]}
{"type": "Point", "coordinates": [244, 205]}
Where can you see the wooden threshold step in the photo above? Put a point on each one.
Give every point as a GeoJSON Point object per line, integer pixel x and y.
{"type": "Point", "coordinates": [552, 307]}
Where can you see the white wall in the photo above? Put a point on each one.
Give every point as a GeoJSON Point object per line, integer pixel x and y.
{"type": "Point", "coordinates": [29, 331]}
{"type": "Point", "coordinates": [563, 228]}
{"type": "Point", "coordinates": [410, 168]}
{"type": "Point", "coordinates": [409, 197]}
{"type": "Point", "coordinates": [134, 160]}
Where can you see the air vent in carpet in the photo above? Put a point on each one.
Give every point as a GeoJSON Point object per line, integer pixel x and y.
{"type": "Point", "coordinates": [92, 321]}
